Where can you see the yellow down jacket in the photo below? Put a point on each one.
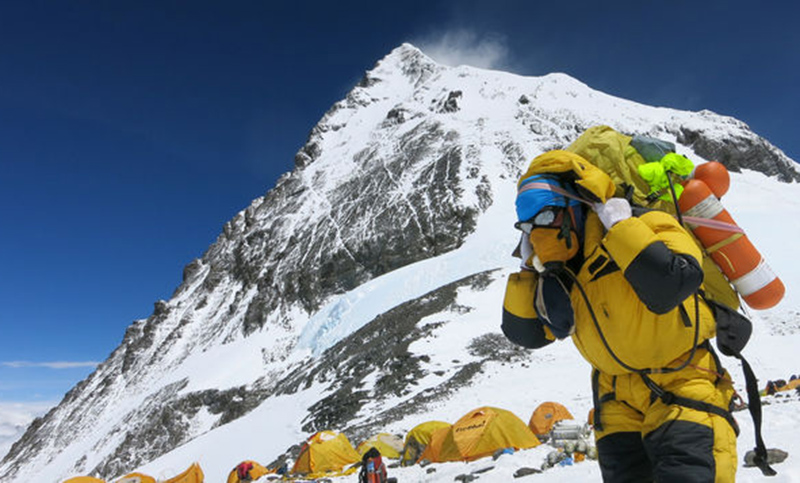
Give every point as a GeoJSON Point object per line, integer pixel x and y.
{"type": "Point", "coordinates": [629, 308]}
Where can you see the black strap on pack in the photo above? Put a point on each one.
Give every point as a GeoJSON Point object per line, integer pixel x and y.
{"type": "Point", "coordinates": [668, 398]}
{"type": "Point", "coordinates": [717, 363]}
{"type": "Point", "coordinates": [598, 400]}
{"type": "Point", "coordinates": [733, 332]}
{"type": "Point", "coordinates": [598, 422]}
{"type": "Point", "coordinates": [754, 406]}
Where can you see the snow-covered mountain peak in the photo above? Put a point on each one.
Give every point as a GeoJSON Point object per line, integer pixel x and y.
{"type": "Point", "coordinates": [409, 60]}
{"type": "Point", "coordinates": [362, 291]}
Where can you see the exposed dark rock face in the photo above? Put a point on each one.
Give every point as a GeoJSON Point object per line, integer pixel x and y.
{"type": "Point", "coordinates": [383, 346]}
{"type": "Point", "coordinates": [359, 241]}
{"type": "Point", "coordinates": [451, 103]}
{"type": "Point", "coordinates": [741, 152]}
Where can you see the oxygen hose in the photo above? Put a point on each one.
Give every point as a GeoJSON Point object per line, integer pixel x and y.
{"type": "Point", "coordinates": [674, 197]}
{"type": "Point", "coordinates": [663, 370]}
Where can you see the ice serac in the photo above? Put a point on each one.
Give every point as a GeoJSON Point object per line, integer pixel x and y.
{"type": "Point", "coordinates": [401, 197]}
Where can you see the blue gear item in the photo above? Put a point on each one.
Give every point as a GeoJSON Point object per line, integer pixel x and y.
{"type": "Point", "coordinates": [530, 202]}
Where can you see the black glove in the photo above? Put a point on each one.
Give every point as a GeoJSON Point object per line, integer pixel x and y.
{"type": "Point", "coordinates": [552, 303]}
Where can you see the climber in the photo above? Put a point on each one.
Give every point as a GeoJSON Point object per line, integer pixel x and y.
{"type": "Point", "coordinates": [373, 469]}
{"type": "Point", "coordinates": [626, 284]}
{"type": "Point", "coordinates": [247, 471]}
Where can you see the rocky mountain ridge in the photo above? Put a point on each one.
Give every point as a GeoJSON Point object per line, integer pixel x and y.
{"type": "Point", "coordinates": [404, 170]}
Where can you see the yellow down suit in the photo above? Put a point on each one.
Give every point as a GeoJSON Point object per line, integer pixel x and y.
{"type": "Point", "coordinates": [637, 313]}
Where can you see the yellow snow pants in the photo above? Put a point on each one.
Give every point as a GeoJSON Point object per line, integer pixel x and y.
{"type": "Point", "coordinates": [642, 438]}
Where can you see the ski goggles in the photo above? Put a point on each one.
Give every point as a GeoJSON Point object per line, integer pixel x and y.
{"type": "Point", "coordinates": [549, 216]}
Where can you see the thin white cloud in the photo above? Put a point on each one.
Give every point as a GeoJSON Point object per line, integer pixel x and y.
{"type": "Point", "coordinates": [49, 365]}
{"type": "Point", "coordinates": [462, 47]}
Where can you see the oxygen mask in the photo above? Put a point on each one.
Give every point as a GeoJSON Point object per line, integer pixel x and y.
{"type": "Point", "coordinates": [552, 248]}
{"type": "Point", "coordinates": [551, 235]}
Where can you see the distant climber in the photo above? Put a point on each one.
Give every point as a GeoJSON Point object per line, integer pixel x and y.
{"type": "Point", "coordinates": [373, 469]}
{"type": "Point", "coordinates": [247, 471]}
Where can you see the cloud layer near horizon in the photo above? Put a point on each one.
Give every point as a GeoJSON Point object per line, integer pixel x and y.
{"type": "Point", "coordinates": [15, 418]}
{"type": "Point", "coordinates": [49, 365]}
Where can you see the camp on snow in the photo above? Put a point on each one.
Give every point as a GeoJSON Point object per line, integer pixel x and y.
{"type": "Point", "coordinates": [389, 445]}
{"type": "Point", "coordinates": [545, 416]}
{"type": "Point", "coordinates": [479, 433]}
{"type": "Point", "coordinates": [418, 439]}
{"type": "Point", "coordinates": [324, 452]}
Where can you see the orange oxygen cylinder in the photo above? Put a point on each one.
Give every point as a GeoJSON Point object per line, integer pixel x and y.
{"type": "Point", "coordinates": [715, 175]}
{"type": "Point", "coordinates": [733, 252]}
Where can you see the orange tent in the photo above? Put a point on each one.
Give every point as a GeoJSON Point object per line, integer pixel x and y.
{"type": "Point", "coordinates": [193, 474]}
{"type": "Point", "coordinates": [84, 479]}
{"type": "Point", "coordinates": [479, 433]}
{"type": "Point", "coordinates": [545, 416]}
{"type": "Point", "coordinates": [136, 478]}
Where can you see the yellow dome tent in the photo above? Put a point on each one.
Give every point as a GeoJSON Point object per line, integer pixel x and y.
{"type": "Point", "coordinates": [256, 471]}
{"type": "Point", "coordinates": [84, 479]}
{"type": "Point", "coordinates": [434, 447]}
{"type": "Point", "coordinates": [547, 415]}
{"type": "Point", "coordinates": [136, 478]}
{"type": "Point", "coordinates": [389, 445]}
{"type": "Point", "coordinates": [480, 433]}
{"type": "Point", "coordinates": [193, 474]}
{"type": "Point", "coordinates": [418, 439]}
{"type": "Point", "coordinates": [325, 451]}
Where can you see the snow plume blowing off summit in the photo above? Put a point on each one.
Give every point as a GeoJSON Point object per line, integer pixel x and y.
{"type": "Point", "coordinates": [462, 47]}
{"type": "Point", "coordinates": [363, 292]}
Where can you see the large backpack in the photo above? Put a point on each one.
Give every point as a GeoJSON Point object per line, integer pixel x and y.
{"type": "Point", "coordinates": [614, 153]}
{"type": "Point", "coordinates": [373, 469]}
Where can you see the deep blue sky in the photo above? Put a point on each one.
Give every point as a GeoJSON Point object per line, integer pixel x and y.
{"type": "Point", "coordinates": [130, 132]}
